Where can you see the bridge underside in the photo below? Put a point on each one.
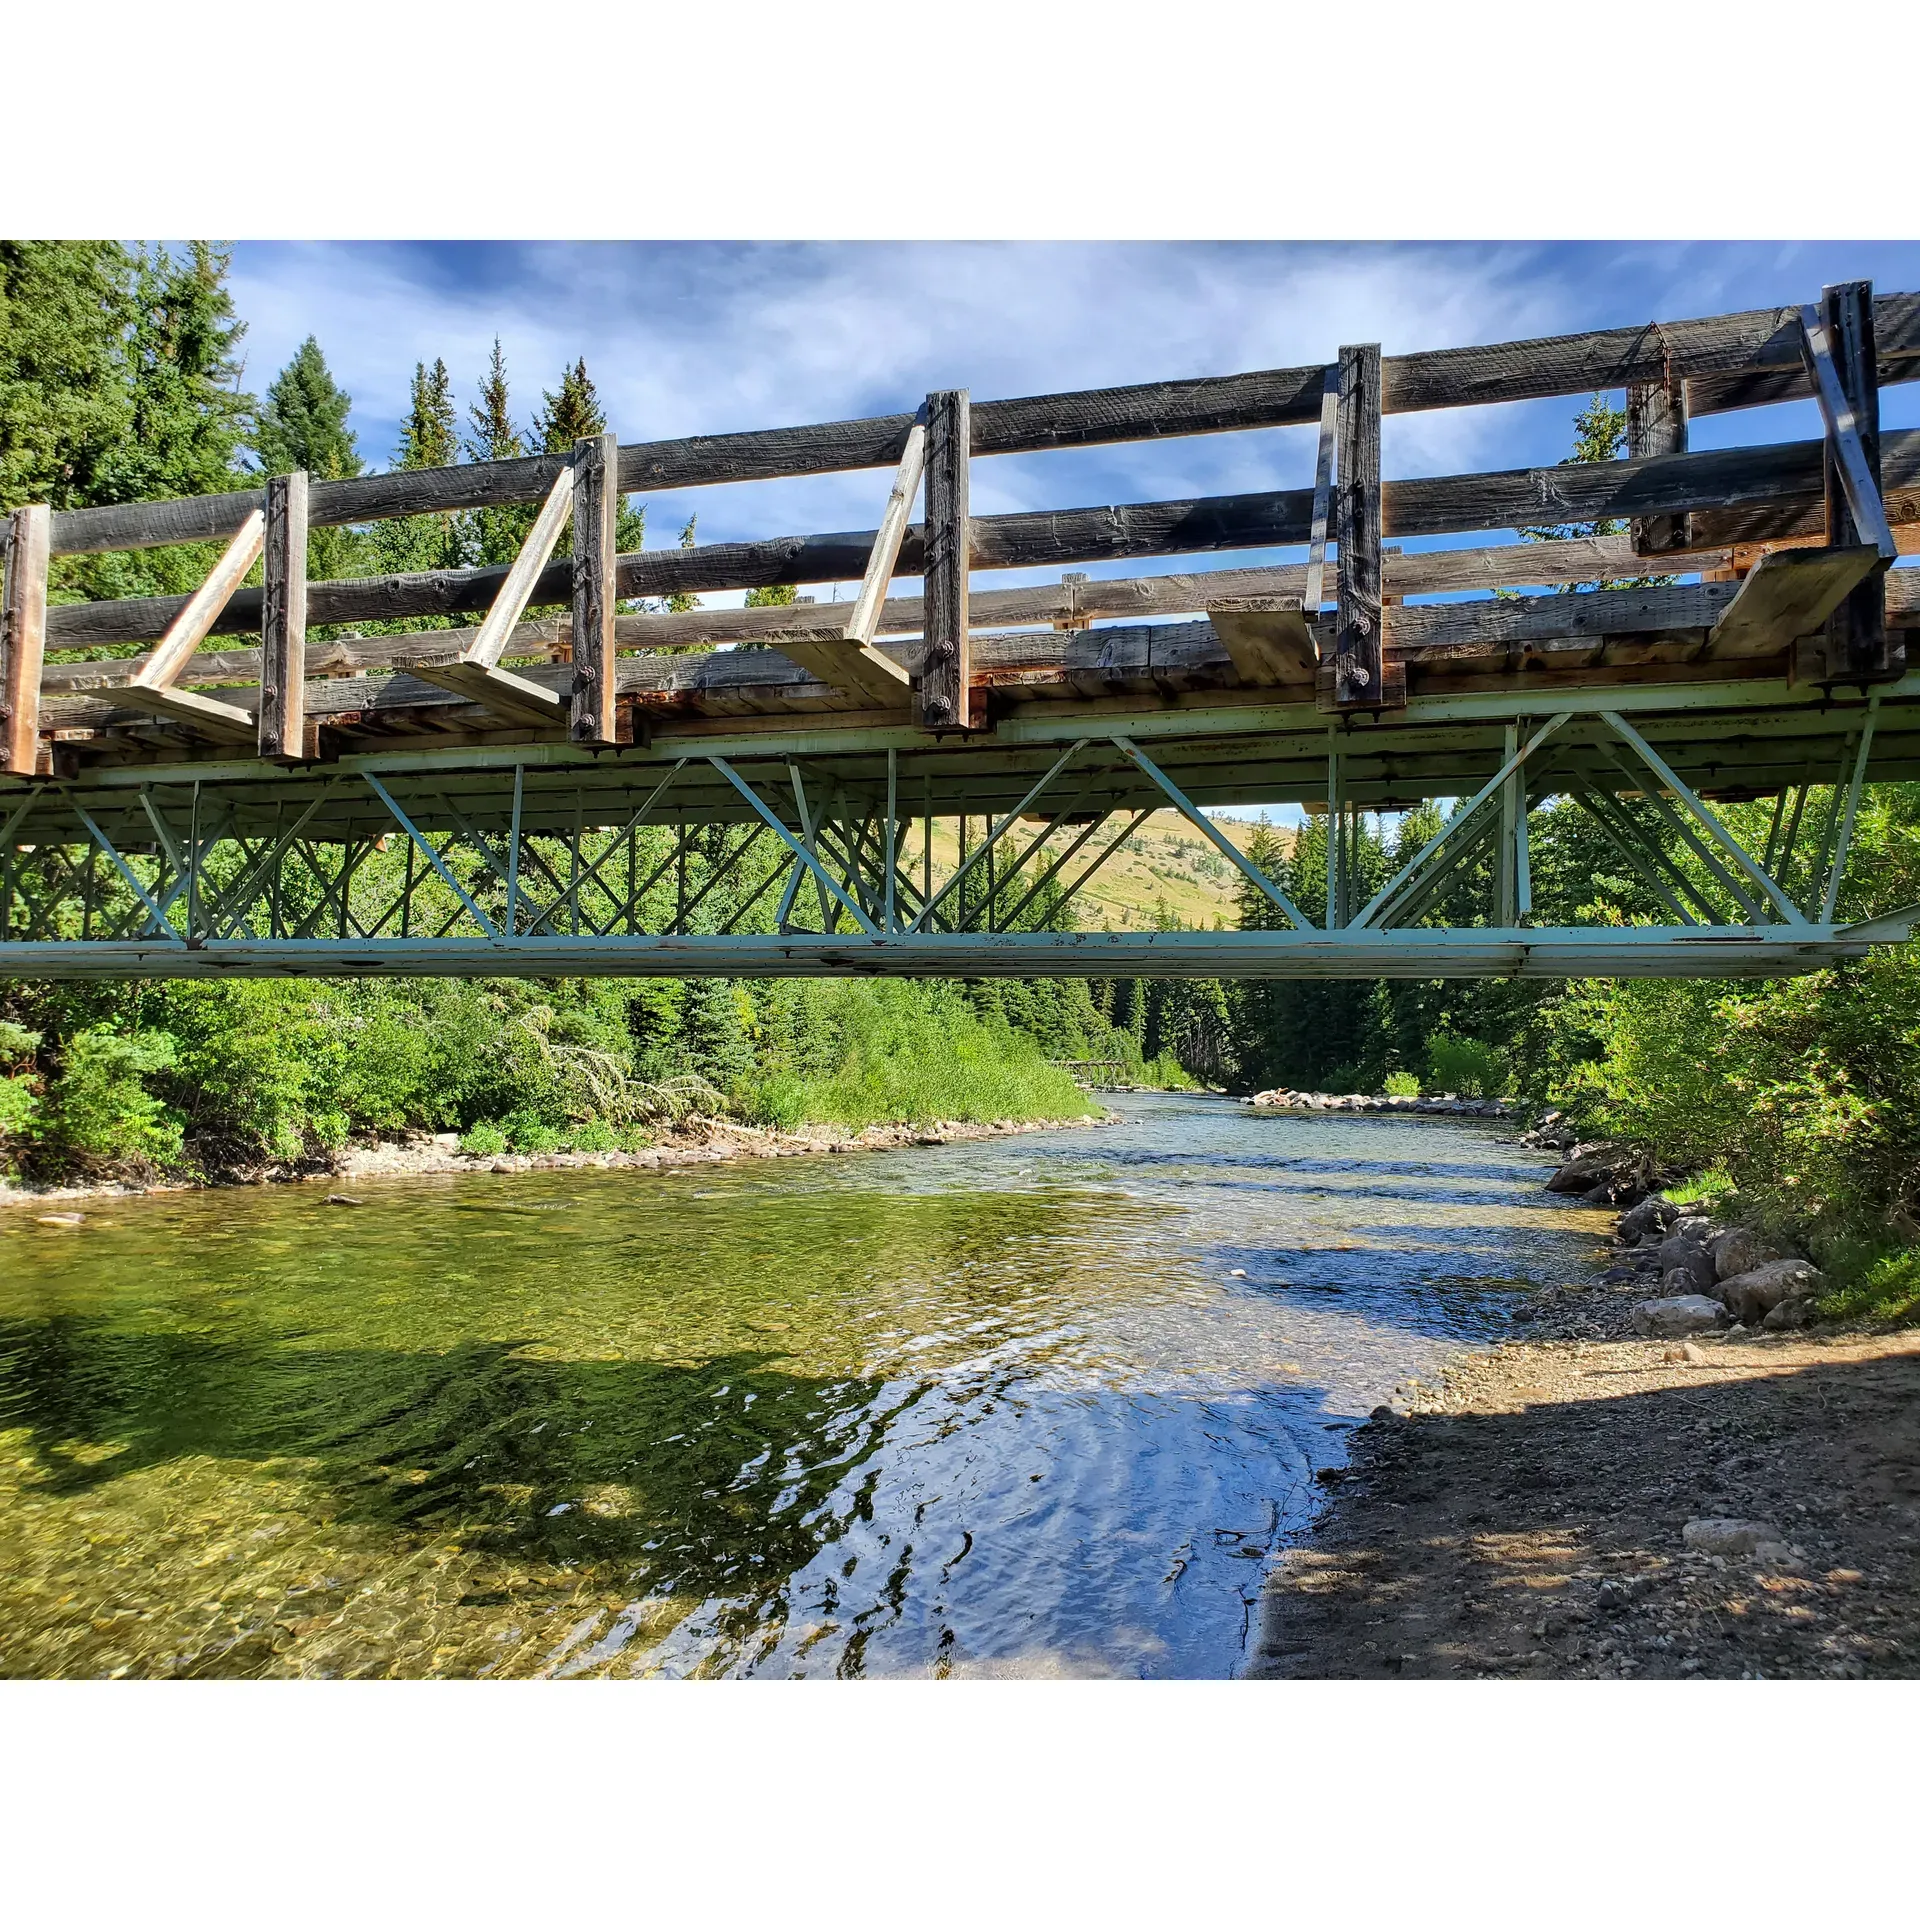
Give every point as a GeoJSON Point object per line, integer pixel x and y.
{"type": "Point", "coordinates": [765, 848]}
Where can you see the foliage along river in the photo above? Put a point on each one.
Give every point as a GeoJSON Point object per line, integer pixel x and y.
{"type": "Point", "coordinates": [1034, 1405]}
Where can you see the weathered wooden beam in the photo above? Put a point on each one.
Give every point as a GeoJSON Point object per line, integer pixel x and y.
{"type": "Point", "coordinates": [1657, 424]}
{"type": "Point", "coordinates": [1356, 670]}
{"type": "Point", "coordinates": [221, 720]}
{"type": "Point", "coordinates": [1790, 593]}
{"type": "Point", "coordinates": [283, 621]}
{"type": "Point", "coordinates": [1450, 570]}
{"type": "Point", "coordinates": [1727, 349]}
{"type": "Point", "coordinates": [489, 640]}
{"type": "Point", "coordinates": [163, 666]}
{"type": "Point", "coordinates": [874, 678]}
{"type": "Point", "coordinates": [1267, 639]}
{"type": "Point", "coordinates": [1459, 503]}
{"type": "Point", "coordinates": [596, 507]}
{"type": "Point", "coordinates": [864, 622]}
{"type": "Point", "coordinates": [23, 635]}
{"type": "Point", "coordinates": [510, 695]}
{"type": "Point", "coordinates": [945, 671]}
{"type": "Point", "coordinates": [1837, 340]}
{"type": "Point", "coordinates": [1322, 492]}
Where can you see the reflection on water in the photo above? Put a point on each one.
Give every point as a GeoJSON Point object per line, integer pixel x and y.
{"type": "Point", "coordinates": [1033, 1405]}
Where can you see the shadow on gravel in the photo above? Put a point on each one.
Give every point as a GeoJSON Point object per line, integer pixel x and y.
{"type": "Point", "coordinates": [1548, 1542]}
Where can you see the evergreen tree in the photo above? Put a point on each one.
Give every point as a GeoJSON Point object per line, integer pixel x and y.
{"type": "Point", "coordinates": [428, 542]}
{"type": "Point", "coordinates": [190, 418]}
{"type": "Point", "coordinates": [429, 438]}
{"type": "Point", "coordinates": [303, 423]}
{"type": "Point", "coordinates": [498, 533]}
{"type": "Point", "coordinates": [494, 436]}
{"type": "Point", "coordinates": [574, 413]}
{"type": "Point", "coordinates": [685, 602]}
{"type": "Point", "coordinates": [184, 419]}
{"type": "Point", "coordinates": [65, 310]}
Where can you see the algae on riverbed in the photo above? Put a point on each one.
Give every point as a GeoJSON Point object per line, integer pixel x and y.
{"type": "Point", "coordinates": [1003, 1407]}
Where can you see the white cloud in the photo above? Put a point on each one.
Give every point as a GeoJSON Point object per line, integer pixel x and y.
{"type": "Point", "coordinates": [684, 338]}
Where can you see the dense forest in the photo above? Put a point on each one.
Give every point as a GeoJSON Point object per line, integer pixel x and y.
{"type": "Point", "coordinates": [121, 378]}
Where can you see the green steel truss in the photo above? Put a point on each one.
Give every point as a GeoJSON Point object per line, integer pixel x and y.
{"type": "Point", "coordinates": [777, 850]}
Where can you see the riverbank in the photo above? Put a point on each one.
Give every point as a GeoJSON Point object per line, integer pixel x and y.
{"type": "Point", "coordinates": [1583, 1501]}
{"type": "Point", "coordinates": [697, 1142]}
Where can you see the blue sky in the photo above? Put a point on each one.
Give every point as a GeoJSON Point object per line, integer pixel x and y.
{"type": "Point", "coordinates": [716, 337]}
{"type": "Point", "coordinates": [689, 337]}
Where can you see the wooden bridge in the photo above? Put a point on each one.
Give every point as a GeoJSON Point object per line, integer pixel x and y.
{"type": "Point", "coordinates": [558, 786]}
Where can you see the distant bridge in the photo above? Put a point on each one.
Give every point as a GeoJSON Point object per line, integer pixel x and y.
{"type": "Point", "coordinates": [552, 793]}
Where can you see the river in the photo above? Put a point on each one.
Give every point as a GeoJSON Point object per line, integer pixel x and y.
{"type": "Point", "coordinates": [1043, 1404]}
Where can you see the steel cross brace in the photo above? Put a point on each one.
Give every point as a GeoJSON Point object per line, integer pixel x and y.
{"type": "Point", "coordinates": [1385, 903]}
{"type": "Point", "coordinates": [798, 848]}
{"type": "Point", "coordinates": [1706, 817]}
{"type": "Point", "coordinates": [1213, 833]}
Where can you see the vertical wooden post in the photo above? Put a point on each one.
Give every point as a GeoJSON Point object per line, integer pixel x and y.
{"type": "Point", "coordinates": [1359, 662]}
{"type": "Point", "coordinates": [23, 635]}
{"type": "Point", "coordinates": [283, 621]}
{"type": "Point", "coordinates": [596, 508]}
{"type": "Point", "coordinates": [944, 671]}
{"type": "Point", "coordinates": [1856, 631]}
{"type": "Point", "coordinates": [1657, 423]}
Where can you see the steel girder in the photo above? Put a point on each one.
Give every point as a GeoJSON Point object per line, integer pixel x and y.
{"type": "Point", "coordinates": [547, 860]}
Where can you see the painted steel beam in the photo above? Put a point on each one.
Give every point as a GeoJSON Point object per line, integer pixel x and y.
{"type": "Point", "coordinates": [1412, 953]}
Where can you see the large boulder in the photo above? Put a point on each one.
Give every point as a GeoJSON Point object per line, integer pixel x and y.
{"type": "Point", "coordinates": [1685, 1258]}
{"type": "Point", "coordinates": [1578, 1176]}
{"type": "Point", "coordinates": [1788, 1317]}
{"type": "Point", "coordinates": [1650, 1219]}
{"type": "Point", "coordinates": [1737, 1251]}
{"type": "Point", "coordinates": [1751, 1296]}
{"type": "Point", "coordinates": [1676, 1318]}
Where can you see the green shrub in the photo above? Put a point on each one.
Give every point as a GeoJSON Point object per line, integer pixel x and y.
{"type": "Point", "coordinates": [19, 1095]}
{"type": "Point", "coordinates": [1457, 1064]}
{"type": "Point", "coordinates": [98, 1116]}
{"type": "Point", "coordinates": [531, 1132]}
{"type": "Point", "coordinates": [483, 1139]}
{"type": "Point", "coordinates": [1403, 1086]}
{"type": "Point", "coordinates": [777, 1099]}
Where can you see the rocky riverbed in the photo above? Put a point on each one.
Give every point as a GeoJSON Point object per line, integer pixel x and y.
{"type": "Point", "coordinates": [1452, 1105]}
{"type": "Point", "coordinates": [1662, 1473]}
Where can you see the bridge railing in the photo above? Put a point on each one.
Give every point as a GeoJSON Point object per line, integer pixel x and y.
{"type": "Point", "coordinates": [1707, 511]}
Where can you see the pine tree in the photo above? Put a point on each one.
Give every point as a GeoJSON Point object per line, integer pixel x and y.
{"type": "Point", "coordinates": [685, 602]}
{"type": "Point", "coordinates": [65, 308]}
{"type": "Point", "coordinates": [497, 532]}
{"type": "Point", "coordinates": [303, 422]}
{"type": "Point", "coordinates": [574, 413]}
{"type": "Point", "coordinates": [186, 417]}
{"type": "Point", "coordinates": [429, 437]}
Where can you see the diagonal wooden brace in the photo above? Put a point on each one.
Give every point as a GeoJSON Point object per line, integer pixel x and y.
{"type": "Point", "coordinates": [152, 689]}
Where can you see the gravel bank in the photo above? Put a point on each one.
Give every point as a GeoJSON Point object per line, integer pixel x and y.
{"type": "Point", "coordinates": [699, 1143]}
{"type": "Point", "coordinates": [1581, 1501]}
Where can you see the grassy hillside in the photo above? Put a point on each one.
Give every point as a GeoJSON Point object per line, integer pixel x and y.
{"type": "Point", "coordinates": [1166, 861]}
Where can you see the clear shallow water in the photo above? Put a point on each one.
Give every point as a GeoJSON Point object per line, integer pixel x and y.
{"type": "Point", "coordinates": [995, 1408]}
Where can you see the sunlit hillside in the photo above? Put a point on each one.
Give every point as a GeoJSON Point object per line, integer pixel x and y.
{"type": "Point", "coordinates": [1166, 861]}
